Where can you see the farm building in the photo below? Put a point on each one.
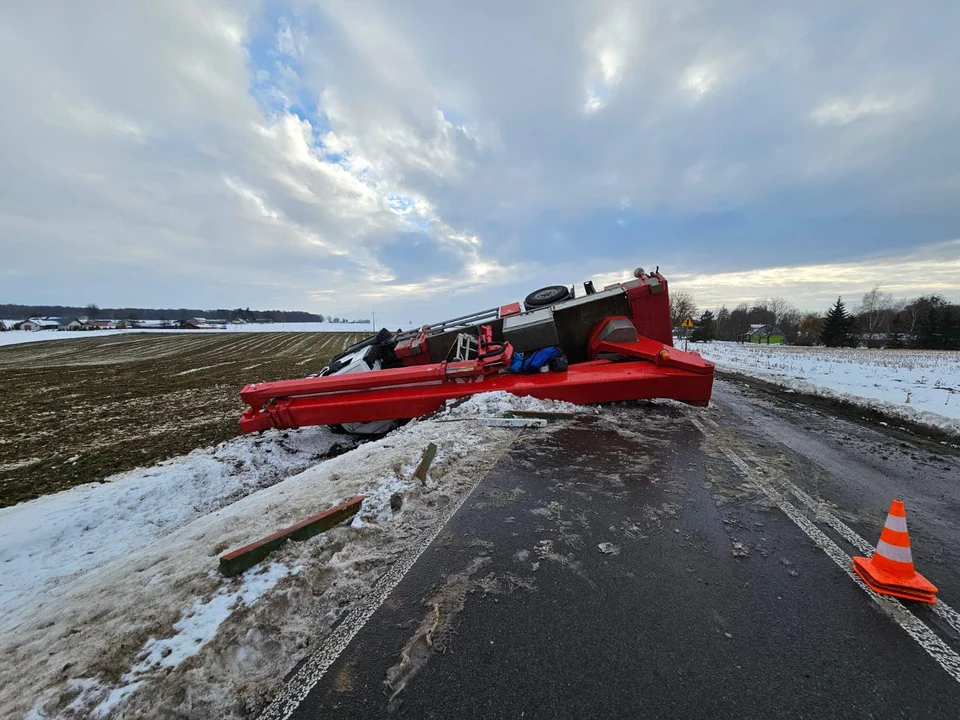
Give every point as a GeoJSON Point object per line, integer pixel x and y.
{"type": "Point", "coordinates": [100, 324]}
{"type": "Point", "coordinates": [37, 323]}
{"type": "Point", "coordinates": [765, 334]}
{"type": "Point", "coordinates": [76, 324]}
{"type": "Point", "coordinates": [204, 323]}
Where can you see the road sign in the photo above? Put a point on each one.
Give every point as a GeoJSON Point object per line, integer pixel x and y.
{"type": "Point", "coordinates": [687, 323]}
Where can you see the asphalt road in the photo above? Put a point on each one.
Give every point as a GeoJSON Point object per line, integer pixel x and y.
{"type": "Point", "coordinates": [724, 590]}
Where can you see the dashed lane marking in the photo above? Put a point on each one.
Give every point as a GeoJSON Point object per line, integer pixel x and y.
{"type": "Point", "coordinates": [911, 624]}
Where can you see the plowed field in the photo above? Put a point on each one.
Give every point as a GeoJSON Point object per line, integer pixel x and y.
{"type": "Point", "coordinates": [80, 410]}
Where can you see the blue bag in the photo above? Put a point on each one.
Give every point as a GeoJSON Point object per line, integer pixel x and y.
{"type": "Point", "coordinates": [529, 363]}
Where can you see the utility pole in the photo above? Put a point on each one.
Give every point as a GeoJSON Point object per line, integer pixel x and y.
{"type": "Point", "coordinates": [374, 321]}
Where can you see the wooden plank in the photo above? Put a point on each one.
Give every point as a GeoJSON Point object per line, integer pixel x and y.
{"type": "Point", "coordinates": [236, 561]}
{"type": "Point", "coordinates": [428, 455]}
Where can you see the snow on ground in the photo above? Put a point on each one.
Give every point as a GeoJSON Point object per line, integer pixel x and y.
{"type": "Point", "coordinates": [149, 627]}
{"type": "Point", "coordinates": [16, 337]}
{"type": "Point", "coordinates": [71, 532]}
{"type": "Point", "coordinates": [922, 386]}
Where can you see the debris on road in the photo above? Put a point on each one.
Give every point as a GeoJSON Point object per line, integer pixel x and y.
{"type": "Point", "coordinates": [608, 548]}
{"type": "Point", "coordinates": [244, 558]}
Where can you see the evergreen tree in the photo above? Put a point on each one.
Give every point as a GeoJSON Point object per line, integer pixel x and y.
{"type": "Point", "coordinates": [837, 326]}
{"type": "Point", "coordinates": [723, 324]}
{"type": "Point", "coordinates": [706, 329]}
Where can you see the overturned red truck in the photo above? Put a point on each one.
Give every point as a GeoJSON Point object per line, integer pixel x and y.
{"type": "Point", "coordinates": [607, 345]}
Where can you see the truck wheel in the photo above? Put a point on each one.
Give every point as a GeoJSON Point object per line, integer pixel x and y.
{"type": "Point", "coordinates": [547, 296]}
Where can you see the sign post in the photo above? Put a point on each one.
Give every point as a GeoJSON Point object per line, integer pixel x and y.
{"type": "Point", "coordinates": [685, 328]}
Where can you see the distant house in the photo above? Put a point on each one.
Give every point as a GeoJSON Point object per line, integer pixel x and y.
{"type": "Point", "coordinates": [204, 323]}
{"type": "Point", "coordinates": [764, 334]}
{"type": "Point", "coordinates": [75, 325]}
{"type": "Point", "coordinates": [38, 323]}
{"type": "Point", "coordinates": [100, 325]}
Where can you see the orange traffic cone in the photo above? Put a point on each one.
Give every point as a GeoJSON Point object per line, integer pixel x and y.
{"type": "Point", "coordinates": [890, 570]}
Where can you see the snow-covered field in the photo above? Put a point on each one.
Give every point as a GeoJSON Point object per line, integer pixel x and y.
{"type": "Point", "coordinates": [16, 337]}
{"type": "Point", "coordinates": [918, 385]}
{"type": "Point", "coordinates": [111, 602]}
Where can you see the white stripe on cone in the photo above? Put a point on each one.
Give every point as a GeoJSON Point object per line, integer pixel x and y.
{"type": "Point", "coordinates": [897, 523]}
{"type": "Point", "coordinates": [894, 552]}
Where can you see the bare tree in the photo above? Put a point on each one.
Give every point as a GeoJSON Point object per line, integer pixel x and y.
{"type": "Point", "coordinates": [781, 309]}
{"type": "Point", "coordinates": [681, 306]}
{"type": "Point", "coordinates": [875, 310]}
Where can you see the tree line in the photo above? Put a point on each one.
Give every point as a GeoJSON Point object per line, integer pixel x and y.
{"type": "Point", "coordinates": [929, 322]}
{"type": "Point", "coordinates": [173, 315]}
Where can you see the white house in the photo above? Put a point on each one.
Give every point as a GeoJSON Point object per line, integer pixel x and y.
{"type": "Point", "coordinates": [38, 323]}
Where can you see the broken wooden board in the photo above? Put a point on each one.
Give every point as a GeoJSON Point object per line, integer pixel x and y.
{"type": "Point", "coordinates": [236, 561]}
{"type": "Point", "coordinates": [428, 455]}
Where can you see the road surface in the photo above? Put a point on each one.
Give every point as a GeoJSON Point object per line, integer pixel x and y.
{"type": "Point", "coordinates": [660, 561]}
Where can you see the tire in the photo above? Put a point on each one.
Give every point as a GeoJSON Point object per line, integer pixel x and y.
{"type": "Point", "coordinates": [547, 296]}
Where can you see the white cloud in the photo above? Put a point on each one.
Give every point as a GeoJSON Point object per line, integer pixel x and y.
{"type": "Point", "coordinates": [698, 80]}
{"type": "Point", "coordinates": [290, 41]}
{"type": "Point", "coordinates": [929, 269]}
{"type": "Point", "coordinates": [846, 110]}
{"type": "Point", "coordinates": [613, 41]}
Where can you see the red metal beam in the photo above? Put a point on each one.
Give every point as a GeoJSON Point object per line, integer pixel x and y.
{"type": "Point", "coordinates": [317, 402]}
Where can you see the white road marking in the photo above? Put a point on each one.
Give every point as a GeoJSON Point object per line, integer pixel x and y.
{"type": "Point", "coordinates": [911, 624]}
{"type": "Point", "coordinates": [310, 673]}
{"type": "Point", "coordinates": [949, 615]}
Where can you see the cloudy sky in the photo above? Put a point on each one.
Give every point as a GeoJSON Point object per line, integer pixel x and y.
{"type": "Point", "coordinates": [424, 157]}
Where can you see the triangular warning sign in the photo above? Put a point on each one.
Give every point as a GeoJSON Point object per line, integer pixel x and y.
{"type": "Point", "coordinates": [687, 323]}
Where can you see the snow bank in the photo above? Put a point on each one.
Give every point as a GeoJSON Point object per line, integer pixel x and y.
{"type": "Point", "coordinates": [492, 404]}
{"type": "Point", "coordinates": [148, 626]}
{"type": "Point", "coordinates": [922, 386]}
{"type": "Point", "coordinates": [74, 531]}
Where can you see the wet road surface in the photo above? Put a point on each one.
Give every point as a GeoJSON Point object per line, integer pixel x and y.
{"type": "Point", "coordinates": [668, 562]}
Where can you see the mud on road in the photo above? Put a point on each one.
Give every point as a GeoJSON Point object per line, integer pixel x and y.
{"type": "Point", "coordinates": [80, 410]}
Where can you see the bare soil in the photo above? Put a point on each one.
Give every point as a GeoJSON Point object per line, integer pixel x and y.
{"type": "Point", "coordinates": [79, 410]}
